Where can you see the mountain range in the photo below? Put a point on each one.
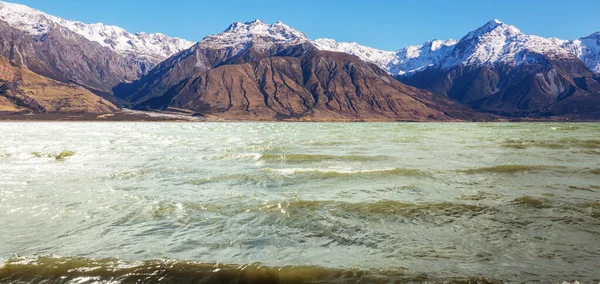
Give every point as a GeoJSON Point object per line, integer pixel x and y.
{"type": "Point", "coordinates": [259, 71]}
{"type": "Point", "coordinates": [498, 69]}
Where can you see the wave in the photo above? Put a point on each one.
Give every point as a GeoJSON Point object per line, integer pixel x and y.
{"type": "Point", "coordinates": [554, 144]}
{"type": "Point", "coordinates": [270, 174]}
{"type": "Point", "coordinates": [399, 209]}
{"type": "Point", "coordinates": [565, 128]}
{"type": "Point", "coordinates": [529, 201]}
{"type": "Point", "coordinates": [333, 173]}
{"type": "Point", "coordinates": [317, 158]}
{"type": "Point", "coordinates": [481, 196]}
{"type": "Point", "coordinates": [594, 171]}
{"type": "Point", "coordinates": [592, 208]}
{"type": "Point", "coordinates": [412, 210]}
{"type": "Point", "coordinates": [587, 209]}
{"type": "Point", "coordinates": [129, 175]}
{"type": "Point", "coordinates": [235, 156]}
{"type": "Point", "coordinates": [243, 178]}
{"type": "Point", "coordinates": [511, 169]}
{"type": "Point", "coordinates": [295, 158]}
{"type": "Point", "coordinates": [514, 169]}
{"type": "Point", "coordinates": [50, 269]}
{"type": "Point", "coordinates": [591, 188]}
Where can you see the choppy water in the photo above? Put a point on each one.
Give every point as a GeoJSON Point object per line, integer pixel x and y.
{"type": "Point", "coordinates": [293, 202]}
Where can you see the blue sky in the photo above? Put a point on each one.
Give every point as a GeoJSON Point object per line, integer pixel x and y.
{"type": "Point", "coordinates": [384, 24]}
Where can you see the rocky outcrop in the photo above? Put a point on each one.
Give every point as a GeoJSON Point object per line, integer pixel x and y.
{"type": "Point", "coordinates": [318, 86]}
{"type": "Point", "coordinates": [22, 90]}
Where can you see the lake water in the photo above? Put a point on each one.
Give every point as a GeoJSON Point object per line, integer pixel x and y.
{"type": "Point", "coordinates": [87, 202]}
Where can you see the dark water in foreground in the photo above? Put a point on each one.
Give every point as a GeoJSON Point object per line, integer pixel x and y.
{"type": "Point", "coordinates": [299, 202]}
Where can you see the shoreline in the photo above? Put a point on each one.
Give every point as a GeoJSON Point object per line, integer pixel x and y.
{"type": "Point", "coordinates": [128, 115]}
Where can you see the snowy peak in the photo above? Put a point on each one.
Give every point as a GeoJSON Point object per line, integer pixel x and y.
{"type": "Point", "coordinates": [406, 60]}
{"type": "Point", "coordinates": [242, 34]}
{"type": "Point", "coordinates": [493, 28]}
{"type": "Point", "coordinates": [247, 25]}
{"type": "Point", "coordinates": [493, 32]}
{"type": "Point", "coordinates": [493, 43]}
{"type": "Point", "coordinates": [496, 42]}
{"type": "Point", "coordinates": [150, 47]}
{"type": "Point", "coordinates": [414, 51]}
{"type": "Point", "coordinates": [378, 57]}
{"type": "Point", "coordinates": [595, 35]}
{"type": "Point", "coordinates": [436, 44]}
{"type": "Point", "coordinates": [417, 57]}
{"type": "Point", "coordinates": [25, 18]}
{"type": "Point", "coordinates": [587, 49]}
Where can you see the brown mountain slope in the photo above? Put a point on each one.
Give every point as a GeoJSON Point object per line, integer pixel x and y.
{"type": "Point", "coordinates": [23, 90]}
{"type": "Point", "coordinates": [239, 43]}
{"type": "Point", "coordinates": [199, 58]}
{"type": "Point", "coordinates": [319, 85]}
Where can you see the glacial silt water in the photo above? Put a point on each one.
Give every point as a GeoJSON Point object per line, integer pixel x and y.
{"type": "Point", "coordinates": [298, 202]}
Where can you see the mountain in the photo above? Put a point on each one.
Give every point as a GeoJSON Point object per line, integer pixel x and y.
{"type": "Point", "coordinates": [378, 57]}
{"type": "Point", "coordinates": [96, 56]}
{"type": "Point", "coordinates": [240, 43]}
{"type": "Point", "coordinates": [24, 91]}
{"type": "Point", "coordinates": [499, 43]}
{"type": "Point", "coordinates": [587, 49]}
{"type": "Point", "coordinates": [260, 71]}
{"type": "Point", "coordinates": [411, 59]}
{"type": "Point", "coordinates": [148, 48]}
{"type": "Point", "coordinates": [498, 69]}
{"type": "Point", "coordinates": [405, 61]}
{"type": "Point", "coordinates": [317, 86]}
{"type": "Point", "coordinates": [495, 68]}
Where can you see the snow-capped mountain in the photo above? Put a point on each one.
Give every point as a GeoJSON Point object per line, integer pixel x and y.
{"type": "Point", "coordinates": [378, 57]}
{"type": "Point", "coordinates": [587, 49]}
{"type": "Point", "coordinates": [496, 42]}
{"type": "Point", "coordinates": [239, 43]}
{"type": "Point", "coordinates": [493, 43]}
{"type": "Point", "coordinates": [243, 34]}
{"type": "Point", "coordinates": [153, 48]}
{"type": "Point", "coordinates": [497, 68]}
{"type": "Point", "coordinates": [406, 60]}
{"type": "Point", "coordinates": [414, 58]}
